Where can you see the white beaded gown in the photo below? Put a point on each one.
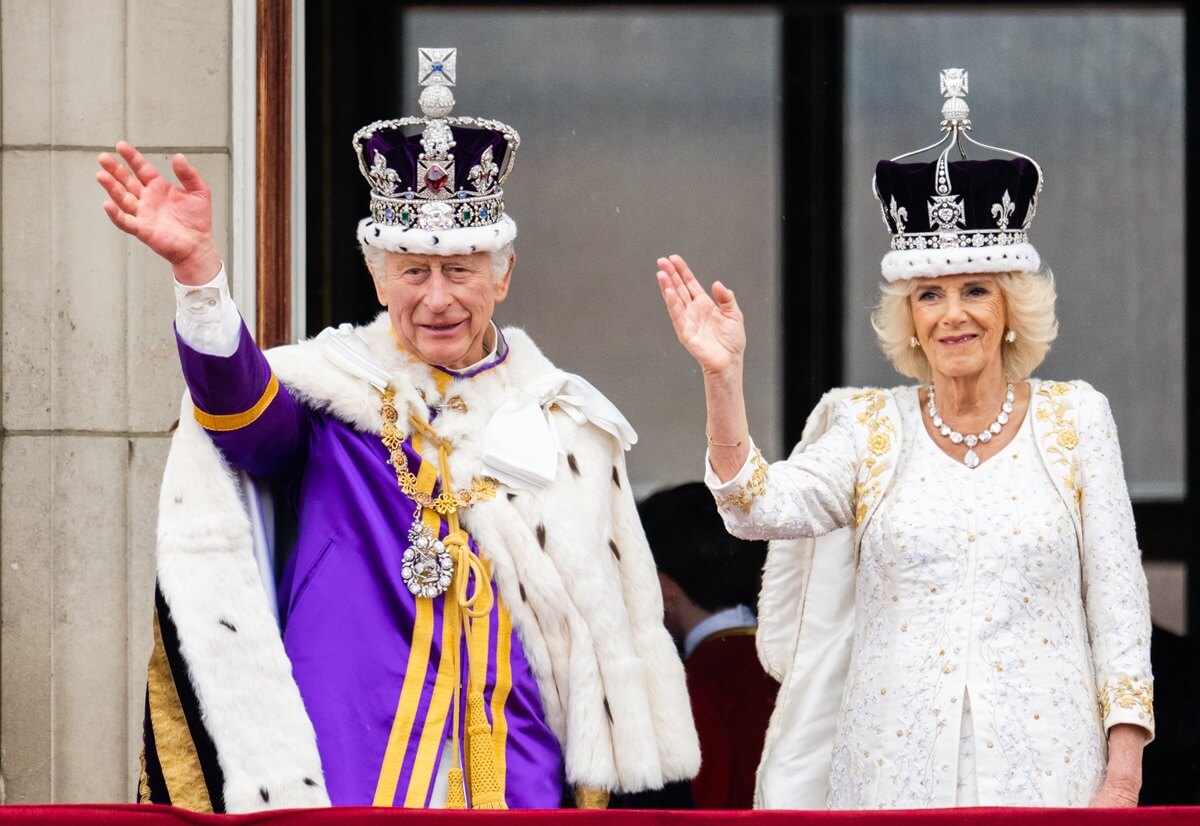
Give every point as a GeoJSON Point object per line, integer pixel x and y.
{"type": "Point", "coordinates": [982, 628]}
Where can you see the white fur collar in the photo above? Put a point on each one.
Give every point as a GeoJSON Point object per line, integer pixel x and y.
{"type": "Point", "coordinates": [328, 387]}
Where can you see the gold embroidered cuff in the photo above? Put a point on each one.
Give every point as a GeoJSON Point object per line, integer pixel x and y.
{"type": "Point", "coordinates": [744, 495]}
{"type": "Point", "coordinates": [236, 421]}
{"type": "Point", "coordinates": [1130, 700]}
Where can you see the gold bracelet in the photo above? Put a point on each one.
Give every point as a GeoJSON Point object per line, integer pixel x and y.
{"type": "Point", "coordinates": [720, 444]}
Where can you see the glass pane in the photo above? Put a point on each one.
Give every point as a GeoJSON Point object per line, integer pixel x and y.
{"type": "Point", "coordinates": [1096, 98]}
{"type": "Point", "coordinates": [643, 132]}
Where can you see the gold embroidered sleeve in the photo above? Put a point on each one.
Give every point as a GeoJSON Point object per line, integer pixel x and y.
{"type": "Point", "coordinates": [876, 461]}
{"type": "Point", "coordinates": [744, 495]}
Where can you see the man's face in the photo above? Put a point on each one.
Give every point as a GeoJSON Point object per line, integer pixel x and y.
{"type": "Point", "coordinates": [441, 305]}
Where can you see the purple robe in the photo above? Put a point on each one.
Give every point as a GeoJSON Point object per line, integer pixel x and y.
{"type": "Point", "coordinates": [366, 654]}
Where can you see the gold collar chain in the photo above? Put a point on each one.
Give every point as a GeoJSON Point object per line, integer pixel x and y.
{"type": "Point", "coordinates": [449, 500]}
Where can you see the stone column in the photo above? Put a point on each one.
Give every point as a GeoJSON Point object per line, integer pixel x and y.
{"type": "Point", "coordinates": [89, 378]}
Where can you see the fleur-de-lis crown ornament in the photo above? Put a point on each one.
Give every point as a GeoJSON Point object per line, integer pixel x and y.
{"type": "Point", "coordinates": [436, 180]}
{"type": "Point", "coordinates": [957, 216]}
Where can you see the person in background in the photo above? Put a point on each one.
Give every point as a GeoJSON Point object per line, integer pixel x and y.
{"type": "Point", "coordinates": [710, 583]}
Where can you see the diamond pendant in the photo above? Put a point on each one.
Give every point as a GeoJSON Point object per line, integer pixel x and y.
{"type": "Point", "coordinates": [971, 460]}
{"type": "Point", "coordinates": [428, 566]}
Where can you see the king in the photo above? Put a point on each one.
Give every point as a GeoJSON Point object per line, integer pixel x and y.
{"type": "Point", "coordinates": [469, 614]}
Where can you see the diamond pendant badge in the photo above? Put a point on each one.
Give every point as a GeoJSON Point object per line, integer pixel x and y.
{"type": "Point", "coordinates": [971, 460]}
{"type": "Point", "coordinates": [427, 566]}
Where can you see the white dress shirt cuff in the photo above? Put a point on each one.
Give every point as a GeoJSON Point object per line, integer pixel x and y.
{"type": "Point", "coordinates": [206, 318]}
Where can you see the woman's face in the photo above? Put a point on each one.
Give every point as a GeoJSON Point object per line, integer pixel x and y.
{"type": "Point", "coordinates": [959, 321]}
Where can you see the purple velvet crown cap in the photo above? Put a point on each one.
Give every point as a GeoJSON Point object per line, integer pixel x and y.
{"type": "Point", "coordinates": [437, 190]}
{"type": "Point", "coordinates": [980, 225]}
{"type": "Point", "coordinates": [401, 152]}
{"type": "Point", "coordinates": [981, 185]}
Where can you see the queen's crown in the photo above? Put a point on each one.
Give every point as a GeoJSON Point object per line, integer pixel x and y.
{"type": "Point", "coordinates": [975, 213]}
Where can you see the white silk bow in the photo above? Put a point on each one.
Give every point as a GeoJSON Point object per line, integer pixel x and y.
{"type": "Point", "coordinates": [521, 443]}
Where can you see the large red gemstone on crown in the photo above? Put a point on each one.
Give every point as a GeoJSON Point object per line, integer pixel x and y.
{"type": "Point", "coordinates": [435, 178]}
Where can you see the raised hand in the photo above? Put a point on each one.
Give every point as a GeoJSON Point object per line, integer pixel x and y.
{"type": "Point", "coordinates": [174, 221]}
{"type": "Point", "coordinates": [710, 328]}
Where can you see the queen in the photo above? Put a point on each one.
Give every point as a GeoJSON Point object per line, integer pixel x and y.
{"type": "Point", "coordinates": [982, 634]}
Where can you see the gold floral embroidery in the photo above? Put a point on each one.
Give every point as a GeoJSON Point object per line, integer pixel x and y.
{"type": "Point", "coordinates": [1127, 694]}
{"type": "Point", "coordinates": [879, 442]}
{"type": "Point", "coordinates": [444, 503]}
{"type": "Point", "coordinates": [1065, 437]}
{"type": "Point", "coordinates": [745, 494]}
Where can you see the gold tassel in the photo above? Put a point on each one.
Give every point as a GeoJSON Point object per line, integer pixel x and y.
{"type": "Point", "coordinates": [455, 796]}
{"type": "Point", "coordinates": [485, 783]}
{"type": "Point", "coordinates": [487, 790]}
{"type": "Point", "coordinates": [588, 797]}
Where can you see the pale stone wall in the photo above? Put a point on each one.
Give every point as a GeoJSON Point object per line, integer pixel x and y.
{"type": "Point", "coordinates": [90, 380]}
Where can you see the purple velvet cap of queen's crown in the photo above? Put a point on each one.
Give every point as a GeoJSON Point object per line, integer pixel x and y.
{"type": "Point", "coordinates": [981, 225]}
{"type": "Point", "coordinates": [950, 217]}
{"type": "Point", "coordinates": [436, 180]}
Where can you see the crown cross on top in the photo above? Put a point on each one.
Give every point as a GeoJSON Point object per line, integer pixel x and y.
{"type": "Point", "coordinates": [437, 67]}
{"type": "Point", "coordinates": [955, 112]}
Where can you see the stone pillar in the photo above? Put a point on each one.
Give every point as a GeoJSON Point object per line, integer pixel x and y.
{"type": "Point", "coordinates": [89, 379]}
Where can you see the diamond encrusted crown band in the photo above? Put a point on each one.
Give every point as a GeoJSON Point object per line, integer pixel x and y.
{"type": "Point", "coordinates": [954, 240]}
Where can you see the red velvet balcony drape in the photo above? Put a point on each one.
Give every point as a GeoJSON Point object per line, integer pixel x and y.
{"type": "Point", "coordinates": [112, 815]}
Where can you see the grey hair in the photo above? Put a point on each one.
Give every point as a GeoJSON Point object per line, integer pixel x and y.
{"type": "Point", "coordinates": [376, 259]}
{"type": "Point", "coordinates": [1029, 301]}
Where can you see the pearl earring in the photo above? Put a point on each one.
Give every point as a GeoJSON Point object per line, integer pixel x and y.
{"type": "Point", "coordinates": [1010, 336]}
{"type": "Point", "coordinates": [913, 343]}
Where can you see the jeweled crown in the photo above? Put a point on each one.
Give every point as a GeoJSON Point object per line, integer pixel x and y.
{"type": "Point", "coordinates": [950, 217]}
{"type": "Point", "coordinates": [439, 181]}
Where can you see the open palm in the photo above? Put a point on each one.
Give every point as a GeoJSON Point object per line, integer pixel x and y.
{"type": "Point", "coordinates": [174, 221]}
{"type": "Point", "coordinates": [710, 328]}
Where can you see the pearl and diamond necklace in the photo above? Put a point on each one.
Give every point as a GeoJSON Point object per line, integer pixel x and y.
{"type": "Point", "coordinates": [971, 460]}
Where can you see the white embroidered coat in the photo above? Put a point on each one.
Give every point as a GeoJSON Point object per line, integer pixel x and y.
{"type": "Point", "coordinates": [877, 638]}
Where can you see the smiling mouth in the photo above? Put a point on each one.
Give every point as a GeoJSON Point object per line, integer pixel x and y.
{"type": "Point", "coordinates": [956, 340]}
{"type": "Point", "coordinates": [442, 328]}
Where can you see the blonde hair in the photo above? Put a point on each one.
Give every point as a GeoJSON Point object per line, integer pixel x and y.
{"type": "Point", "coordinates": [1028, 297]}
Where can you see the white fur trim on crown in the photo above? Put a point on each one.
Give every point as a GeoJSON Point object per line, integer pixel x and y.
{"type": "Point", "coordinates": [899, 265]}
{"type": "Point", "coordinates": [456, 241]}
